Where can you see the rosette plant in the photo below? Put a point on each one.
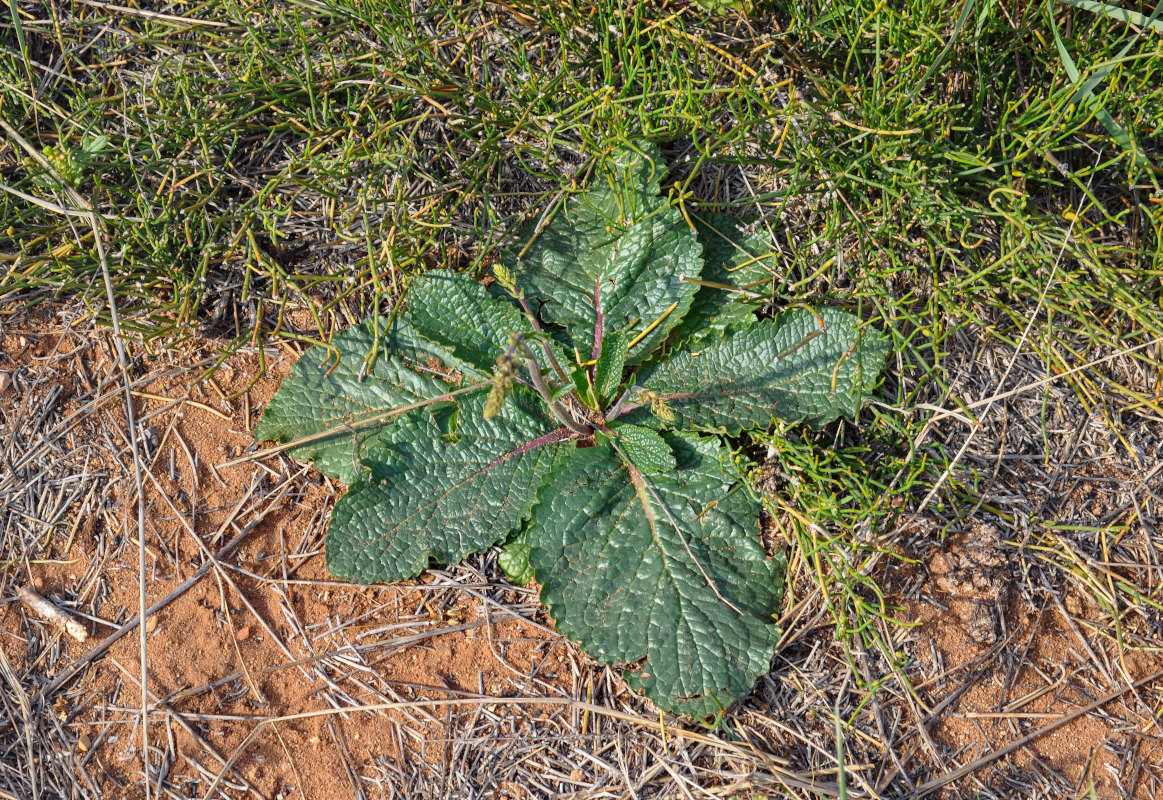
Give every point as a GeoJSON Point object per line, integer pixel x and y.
{"type": "Point", "coordinates": [580, 411]}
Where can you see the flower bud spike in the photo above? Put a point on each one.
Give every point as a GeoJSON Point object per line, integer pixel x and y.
{"type": "Point", "coordinates": [502, 386]}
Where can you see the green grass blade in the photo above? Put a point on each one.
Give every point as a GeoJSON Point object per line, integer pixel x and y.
{"type": "Point", "coordinates": [1118, 13]}
{"type": "Point", "coordinates": [1085, 96]}
{"type": "Point", "coordinates": [20, 40]}
{"type": "Point", "coordinates": [962, 18]}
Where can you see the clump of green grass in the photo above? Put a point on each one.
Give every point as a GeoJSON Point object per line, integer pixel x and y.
{"type": "Point", "coordinates": [964, 182]}
{"type": "Point", "coordinates": [387, 138]}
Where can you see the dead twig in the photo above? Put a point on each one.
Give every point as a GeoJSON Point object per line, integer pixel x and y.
{"type": "Point", "coordinates": [50, 612]}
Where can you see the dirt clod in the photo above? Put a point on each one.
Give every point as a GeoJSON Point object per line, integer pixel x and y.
{"type": "Point", "coordinates": [971, 572]}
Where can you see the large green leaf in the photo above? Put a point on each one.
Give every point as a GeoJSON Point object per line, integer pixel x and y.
{"type": "Point", "coordinates": [452, 308]}
{"type": "Point", "coordinates": [365, 374]}
{"type": "Point", "coordinates": [802, 367]}
{"type": "Point", "coordinates": [621, 235]}
{"type": "Point", "coordinates": [735, 257]}
{"type": "Point", "coordinates": [661, 571]}
{"type": "Point", "coordinates": [429, 494]}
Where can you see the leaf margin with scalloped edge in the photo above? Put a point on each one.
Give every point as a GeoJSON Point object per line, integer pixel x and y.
{"type": "Point", "coordinates": [789, 369]}
{"type": "Point", "coordinates": [403, 493]}
{"type": "Point", "coordinates": [586, 610]}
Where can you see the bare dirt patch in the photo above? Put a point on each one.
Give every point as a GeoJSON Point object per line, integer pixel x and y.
{"type": "Point", "coordinates": [266, 677]}
{"type": "Point", "coordinates": [1000, 670]}
{"type": "Point", "coordinates": [266, 632]}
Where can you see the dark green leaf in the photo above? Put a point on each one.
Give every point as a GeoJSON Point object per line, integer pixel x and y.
{"type": "Point", "coordinates": [732, 257]}
{"type": "Point", "coordinates": [425, 498]}
{"type": "Point", "coordinates": [621, 234]}
{"type": "Point", "coordinates": [322, 394]}
{"type": "Point", "coordinates": [661, 571]}
{"type": "Point", "coordinates": [791, 369]}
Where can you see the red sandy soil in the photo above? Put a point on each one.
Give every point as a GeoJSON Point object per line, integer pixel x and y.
{"type": "Point", "coordinates": [239, 646]}
{"type": "Point", "coordinates": [1038, 686]}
